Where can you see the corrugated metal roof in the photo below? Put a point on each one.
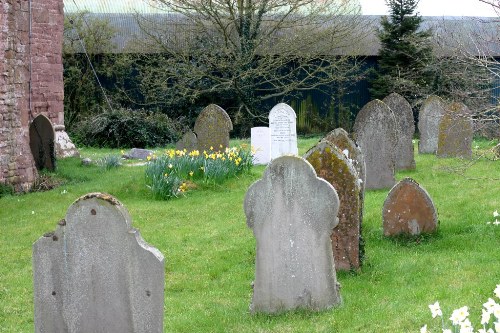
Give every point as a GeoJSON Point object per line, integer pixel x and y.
{"type": "Point", "coordinates": [110, 6]}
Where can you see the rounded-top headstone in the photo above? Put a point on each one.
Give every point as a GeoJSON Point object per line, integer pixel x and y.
{"type": "Point", "coordinates": [292, 213]}
{"type": "Point", "coordinates": [456, 132]}
{"type": "Point", "coordinates": [212, 128]}
{"type": "Point", "coordinates": [375, 132]}
{"type": "Point", "coordinates": [283, 128]}
{"type": "Point", "coordinates": [405, 130]}
{"type": "Point", "coordinates": [408, 209]}
{"type": "Point", "coordinates": [188, 142]}
{"type": "Point", "coordinates": [333, 166]}
{"type": "Point", "coordinates": [429, 117]}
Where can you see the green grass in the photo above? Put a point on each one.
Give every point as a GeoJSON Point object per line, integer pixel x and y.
{"type": "Point", "coordinates": [209, 251]}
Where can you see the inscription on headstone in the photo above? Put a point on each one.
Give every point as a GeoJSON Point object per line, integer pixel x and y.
{"type": "Point", "coordinates": [375, 132]}
{"type": "Point", "coordinates": [212, 128]}
{"type": "Point", "coordinates": [405, 129]}
{"type": "Point", "coordinates": [261, 144]}
{"type": "Point", "coordinates": [333, 166]}
{"type": "Point", "coordinates": [429, 118]}
{"type": "Point", "coordinates": [95, 273]}
{"type": "Point", "coordinates": [292, 213]}
{"type": "Point", "coordinates": [408, 209]}
{"type": "Point", "coordinates": [283, 128]}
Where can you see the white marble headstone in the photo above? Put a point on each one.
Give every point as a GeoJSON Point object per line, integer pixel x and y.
{"type": "Point", "coordinates": [283, 128]}
{"type": "Point", "coordinates": [261, 143]}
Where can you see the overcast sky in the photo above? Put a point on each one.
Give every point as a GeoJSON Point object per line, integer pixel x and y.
{"type": "Point", "coordinates": [434, 8]}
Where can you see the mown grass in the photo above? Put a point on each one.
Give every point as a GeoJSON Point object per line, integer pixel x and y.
{"type": "Point", "coordinates": [209, 252]}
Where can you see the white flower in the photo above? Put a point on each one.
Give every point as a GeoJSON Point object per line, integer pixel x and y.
{"type": "Point", "coordinates": [495, 213]}
{"type": "Point", "coordinates": [497, 326]}
{"type": "Point", "coordinates": [32, 212]}
{"type": "Point", "coordinates": [435, 310]}
{"type": "Point", "coordinates": [459, 315]}
{"type": "Point", "coordinates": [496, 312]}
{"type": "Point", "coordinates": [447, 331]}
{"type": "Point", "coordinates": [423, 329]}
{"type": "Point", "coordinates": [490, 305]}
{"type": "Point", "coordinates": [485, 317]}
{"type": "Point", "coordinates": [466, 326]}
{"type": "Point", "coordinates": [346, 153]}
{"type": "Point", "coordinates": [496, 222]}
{"type": "Point", "coordinates": [497, 291]}
{"type": "Point", "coordinates": [482, 330]}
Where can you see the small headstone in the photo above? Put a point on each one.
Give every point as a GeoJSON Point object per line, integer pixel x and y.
{"type": "Point", "coordinates": [292, 213]}
{"type": "Point", "coordinates": [409, 210]}
{"type": "Point", "coordinates": [138, 154]}
{"type": "Point", "coordinates": [429, 117]}
{"type": "Point", "coordinates": [188, 142]}
{"type": "Point", "coordinates": [64, 145]}
{"type": "Point", "coordinates": [334, 167]}
{"type": "Point", "coordinates": [42, 143]}
{"type": "Point", "coordinates": [455, 132]}
{"type": "Point", "coordinates": [261, 144]}
{"type": "Point", "coordinates": [283, 127]}
{"type": "Point", "coordinates": [212, 128]}
{"type": "Point", "coordinates": [95, 273]}
{"type": "Point", "coordinates": [405, 129]}
{"type": "Point", "coordinates": [375, 132]}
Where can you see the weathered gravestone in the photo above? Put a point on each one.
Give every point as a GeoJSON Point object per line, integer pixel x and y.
{"type": "Point", "coordinates": [408, 209]}
{"type": "Point", "coordinates": [405, 129]}
{"type": "Point", "coordinates": [375, 132]}
{"type": "Point", "coordinates": [138, 153]}
{"type": "Point", "coordinates": [429, 117]}
{"type": "Point", "coordinates": [261, 144]}
{"type": "Point", "coordinates": [212, 128]}
{"type": "Point", "coordinates": [283, 128]}
{"type": "Point", "coordinates": [292, 213]}
{"type": "Point", "coordinates": [333, 166]}
{"type": "Point", "coordinates": [189, 141]}
{"type": "Point", "coordinates": [42, 143]}
{"type": "Point", "coordinates": [455, 132]}
{"type": "Point", "coordinates": [95, 273]}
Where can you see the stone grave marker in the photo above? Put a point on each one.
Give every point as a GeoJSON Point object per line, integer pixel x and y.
{"type": "Point", "coordinates": [261, 144]}
{"type": "Point", "coordinates": [375, 132]}
{"type": "Point", "coordinates": [42, 143]}
{"type": "Point", "coordinates": [408, 209]}
{"type": "Point", "coordinates": [405, 129]}
{"type": "Point", "coordinates": [332, 165]}
{"type": "Point", "coordinates": [283, 128]}
{"type": "Point", "coordinates": [212, 128]}
{"type": "Point", "coordinates": [138, 154]}
{"type": "Point", "coordinates": [189, 141]}
{"type": "Point", "coordinates": [292, 213]}
{"type": "Point", "coordinates": [95, 273]}
{"type": "Point", "coordinates": [429, 117]}
{"type": "Point", "coordinates": [455, 132]}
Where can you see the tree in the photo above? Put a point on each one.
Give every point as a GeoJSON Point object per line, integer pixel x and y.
{"type": "Point", "coordinates": [246, 53]}
{"type": "Point", "coordinates": [404, 54]}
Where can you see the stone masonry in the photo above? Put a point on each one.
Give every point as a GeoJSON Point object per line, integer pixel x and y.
{"type": "Point", "coordinates": [44, 52]}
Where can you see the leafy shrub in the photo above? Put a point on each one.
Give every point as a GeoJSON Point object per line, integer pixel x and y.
{"type": "Point", "coordinates": [126, 128]}
{"type": "Point", "coordinates": [166, 175]}
{"type": "Point", "coordinates": [6, 189]}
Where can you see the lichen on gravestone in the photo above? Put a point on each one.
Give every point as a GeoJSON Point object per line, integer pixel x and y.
{"type": "Point", "coordinates": [212, 128]}
{"type": "Point", "coordinates": [429, 118]}
{"type": "Point", "coordinates": [455, 132]}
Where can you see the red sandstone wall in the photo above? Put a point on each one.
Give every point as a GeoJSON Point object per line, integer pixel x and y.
{"type": "Point", "coordinates": [16, 161]}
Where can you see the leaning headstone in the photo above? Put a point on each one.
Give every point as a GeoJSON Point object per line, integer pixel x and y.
{"type": "Point", "coordinates": [455, 132]}
{"type": "Point", "coordinates": [375, 132]}
{"type": "Point", "coordinates": [333, 166]}
{"type": "Point", "coordinates": [283, 127]}
{"type": "Point", "coordinates": [212, 128]}
{"type": "Point", "coordinates": [292, 213]}
{"type": "Point", "coordinates": [261, 144]}
{"type": "Point", "coordinates": [429, 117]}
{"type": "Point", "coordinates": [188, 142]}
{"type": "Point", "coordinates": [405, 129]}
{"type": "Point", "coordinates": [408, 210]}
{"type": "Point", "coordinates": [95, 273]}
{"type": "Point", "coordinates": [138, 154]}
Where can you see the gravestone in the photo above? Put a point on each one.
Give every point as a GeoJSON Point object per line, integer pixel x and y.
{"type": "Point", "coordinates": [189, 141]}
{"type": "Point", "coordinates": [95, 273]}
{"type": "Point", "coordinates": [333, 166]}
{"type": "Point", "coordinates": [405, 129]}
{"type": "Point", "coordinates": [138, 154]}
{"type": "Point", "coordinates": [455, 132]}
{"type": "Point", "coordinates": [42, 143]}
{"type": "Point", "coordinates": [375, 132]}
{"type": "Point", "coordinates": [212, 128]}
{"type": "Point", "coordinates": [292, 213]}
{"type": "Point", "coordinates": [429, 117]}
{"type": "Point", "coordinates": [261, 144]}
{"type": "Point", "coordinates": [283, 128]}
{"type": "Point", "coordinates": [409, 210]}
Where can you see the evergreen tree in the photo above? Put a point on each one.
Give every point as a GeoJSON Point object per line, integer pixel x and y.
{"type": "Point", "coordinates": [404, 54]}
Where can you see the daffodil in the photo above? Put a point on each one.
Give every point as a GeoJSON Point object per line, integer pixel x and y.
{"type": "Point", "coordinates": [490, 305]}
{"type": "Point", "coordinates": [485, 317]}
{"type": "Point", "coordinates": [495, 213]}
{"type": "Point", "coordinates": [497, 291]}
{"type": "Point", "coordinates": [423, 329]}
{"type": "Point", "coordinates": [435, 310]}
{"type": "Point", "coordinates": [191, 173]}
{"type": "Point", "coordinates": [459, 315]}
{"type": "Point", "coordinates": [447, 331]}
{"type": "Point", "coordinates": [170, 166]}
